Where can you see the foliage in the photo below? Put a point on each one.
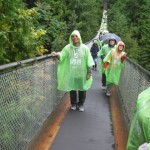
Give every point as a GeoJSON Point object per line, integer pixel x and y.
{"type": "Point", "coordinates": [26, 33]}
{"type": "Point", "coordinates": [144, 32]}
{"type": "Point", "coordinates": [17, 40]}
{"type": "Point", "coordinates": [86, 16]}
{"type": "Point", "coordinates": [54, 39]}
{"type": "Point", "coordinates": [60, 18]}
{"type": "Point", "coordinates": [133, 27]}
{"type": "Point", "coordinates": [30, 3]}
{"type": "Point", "coordinates": [118, 24]}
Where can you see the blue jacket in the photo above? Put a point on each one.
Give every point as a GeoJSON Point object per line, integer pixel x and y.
{"type": "Point", "coordinates": [94, 50]}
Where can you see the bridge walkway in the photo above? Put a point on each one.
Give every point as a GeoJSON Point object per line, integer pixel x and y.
{"type": "Point", "coordinates": [91, 129]}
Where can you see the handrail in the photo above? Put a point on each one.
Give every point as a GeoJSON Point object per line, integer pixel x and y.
{"type": "Point", "coordinates": [18, 63]}
{"type": "Point", "coordinates": [139, 66]}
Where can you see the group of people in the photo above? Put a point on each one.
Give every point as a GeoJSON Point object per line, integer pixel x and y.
{"type": "Point", "coordinates": [112, 57]}
{"type": "Point", "coordinates": [75, 76]}
{"type": "Point", "coordinates": [76, 62]}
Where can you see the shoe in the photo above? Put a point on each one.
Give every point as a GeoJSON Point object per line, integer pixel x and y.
{"type": "Point", "coordinates": [81, 108]}
{"type": "Point", "coordinates": [103, 87]}
{"type": "Point", "coordinates": [95, 69]}
{"type": "Point", "coordinates": [107, 94]}
{"type": "Point", "coordinates": [73, 107]}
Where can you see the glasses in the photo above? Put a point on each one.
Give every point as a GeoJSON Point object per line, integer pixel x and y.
{"type": "Point", "coordinates": [74, 36]}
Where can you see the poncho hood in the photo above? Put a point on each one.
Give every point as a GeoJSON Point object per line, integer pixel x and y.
{"type": "Point", "coordinates": [121, 43]}
{"type": "Point", "coordinates": [76, 32]}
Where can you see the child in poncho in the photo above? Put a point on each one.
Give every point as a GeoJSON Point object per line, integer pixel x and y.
{"type": "Point", "coordinates": [113, 63]}
{"type": "Point", "coordinates": [102, 54]}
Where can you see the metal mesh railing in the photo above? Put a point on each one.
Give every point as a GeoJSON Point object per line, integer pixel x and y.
{"type": "Point", "coordinates": [28, 95]}
{"type": "Point", "coordinates": [134, 79]}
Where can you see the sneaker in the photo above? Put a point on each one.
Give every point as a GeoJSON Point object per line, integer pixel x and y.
{"type": "Point", "coordinates": [103, 87]}
{"type": "Point", "coordinates": [81, 108]}
{"type": "Point", "coordinates": [107, 94]}
{"type": "Point", "coordinates": [73, 107]}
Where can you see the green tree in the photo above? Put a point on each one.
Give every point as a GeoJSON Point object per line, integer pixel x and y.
{"type": "Point", "coordinates": [60, 18]}
{"type": "Point", "coordinates": [27, 33]}
{"type": "Point", "coordinates": [87, 17]}
{"type": "Point", "coordinates": [30, 3]}
{"type": "Point", "coordinates": [140, 22]}
{"type": "Point", "coordinates": [50, 21]}
{"type": "Point", "coordinates": [144, 31]}
{"type": "Point", "coordinates": [133, 27]}
{"type": "Point", "coordinates": [118, 24]}
{"type": "Point", "coordinates": [18, 38]}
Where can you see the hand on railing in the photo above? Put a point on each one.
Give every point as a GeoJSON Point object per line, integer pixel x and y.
{"type": "Point", "coordinates": [55, 54]}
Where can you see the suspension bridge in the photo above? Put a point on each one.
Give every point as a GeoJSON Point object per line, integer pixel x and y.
{"type": "Point", "coordinates": [36, 116]}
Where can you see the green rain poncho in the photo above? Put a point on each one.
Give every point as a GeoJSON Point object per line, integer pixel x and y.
{"type": "Point", "coordinates": [140, 125]}
{"type": "Point", "coordinates": [115, 65]}
{"type": "Point", "coordinates": [103, 52]}
{"type": "Point", "coordinates": [100, 44]}
{"type": "Point", "coordinates": [73, 66]}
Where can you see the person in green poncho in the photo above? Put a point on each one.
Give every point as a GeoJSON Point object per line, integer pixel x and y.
{"type": "Point", "coordinates": [74, 70]}
{"type": "Point", "coordinates": [100, 43]}
{"type": "Point", "coordinates": [102, 54]}
{"type": "Point", "coordinates": [113, 63]}
{"type": "Point", "coordinates": [139, 135]}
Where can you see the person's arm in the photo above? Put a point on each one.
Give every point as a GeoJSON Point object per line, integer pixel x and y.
{"type": "Point", "coordinates": [101, 53]}
{"type": "Point", "coordinates": [123, 57]}
{"type": "Point", "coordinates": [56, 54]}
{"type": "Point", "coordinates": [106, 65]}
{"type": "Point", "coordinates": [89, 73]}
{"type": "Point", "coordinates": [102, 57]}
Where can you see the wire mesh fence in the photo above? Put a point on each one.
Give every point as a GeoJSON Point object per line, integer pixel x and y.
{"type": "Point", "coordinates": [134, 79]}
{"type": "Point", "coordinates": [28, 96]}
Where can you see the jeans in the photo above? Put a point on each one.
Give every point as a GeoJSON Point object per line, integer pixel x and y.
{"type": "Point", "coordinates": [77, 95]}
{"type": "Point", "coordinates": [103, 79]}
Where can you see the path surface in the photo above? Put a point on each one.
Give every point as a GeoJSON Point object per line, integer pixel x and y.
{"type": "Point", "coordinates": [97, 128]}
{"type": "Point", "coordinates": [88, 130]}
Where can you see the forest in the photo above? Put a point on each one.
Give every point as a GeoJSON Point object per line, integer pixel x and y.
{"type": "Point", "coordinates": [30, 28]}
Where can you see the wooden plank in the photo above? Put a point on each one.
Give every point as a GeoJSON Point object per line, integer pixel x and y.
{"type": "Point", "coordinates": [119, 125]}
